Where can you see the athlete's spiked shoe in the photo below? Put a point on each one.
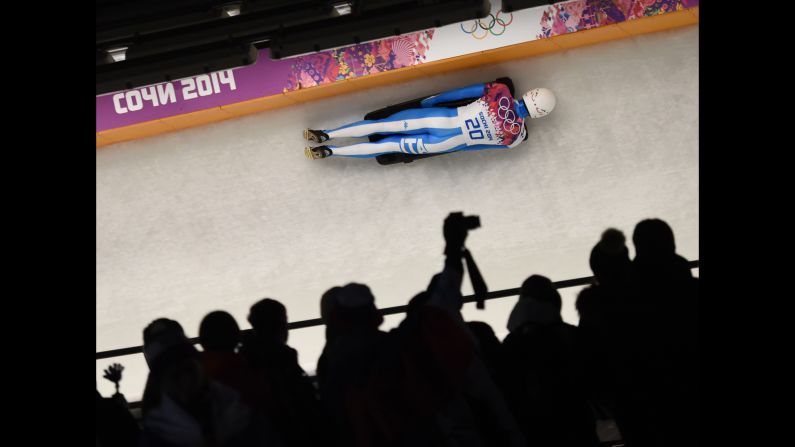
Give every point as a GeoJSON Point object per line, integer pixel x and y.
{"type": "Point", "coordinates": [315, 136]}
{"type": "Point", "coordinates": [314, 153]}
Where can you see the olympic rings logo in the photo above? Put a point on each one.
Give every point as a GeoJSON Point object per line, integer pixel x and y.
{"type": "Point", "coordinates": [495, 20]}
{"type": "Point", "coordinates": [509, 117]}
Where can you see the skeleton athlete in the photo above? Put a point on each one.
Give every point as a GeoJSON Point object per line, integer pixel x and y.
{"type": "Point", "coordinates": [493, 120]}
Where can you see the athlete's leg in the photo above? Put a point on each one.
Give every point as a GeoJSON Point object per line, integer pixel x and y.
{"type": "Point", "coordinates": [434, 120]}
{"type": "Point", "coordinates": [408, 144]}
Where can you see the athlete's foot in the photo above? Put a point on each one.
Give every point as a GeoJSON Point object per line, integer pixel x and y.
{"type": "Point", "coordinates": [314, 153]}
{"type": "Point", "coordinates": [316, 136]}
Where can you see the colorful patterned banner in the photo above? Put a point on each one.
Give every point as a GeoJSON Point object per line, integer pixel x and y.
{"type": "Point", "coordinates": [573, 16]}
{"type": "Point", "coordinates": [359, 60]}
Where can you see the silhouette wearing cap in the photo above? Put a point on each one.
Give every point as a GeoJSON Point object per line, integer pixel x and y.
{"type": "Point", "coordinates": [542, 375]}
{"type": "Point", "coordinates": [293, 404]}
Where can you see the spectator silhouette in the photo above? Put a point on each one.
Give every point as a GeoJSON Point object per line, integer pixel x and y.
{"type": "Point", "coordinates": [116, 427]}
{"type": "Point", "coordinates": [351, 355]}
{"type": "Point", "coordinates": [161, 336]}
{"type": "Point", "coordinates": [489, 348]}
{"type": "Point", "coordinates": [182, 406]}
{"type": "Point", "coordinates": [596, 305]}
{"type": "Point", "coordinates": [484, 390]}
{"type": "Point", "coordinates": [610, 265]}
{"type": "Point", "coordinates": [328, 302]}
{"type": "Point", "coordinates": [115, 423]}
{"type": "Point", "coordinates": [661, 273]}
{"type": "Point", "coordinates": [294, 406]}
{"type": "Point", "coordinates": [659, 323]}
{"type": "Point", "coordinates": [542, 378]}
{"type": "Point", "coordinates": [219, 336]}
{"type": "Point", "coordinates": [447, 353]}
{"type": "Point", "coordinates": [113, 374]}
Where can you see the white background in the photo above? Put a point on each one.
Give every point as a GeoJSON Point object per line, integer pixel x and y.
{"type": "Point", "coordinates": [220, 216]}
{"type": "Point", "coordinates": [450, 40]}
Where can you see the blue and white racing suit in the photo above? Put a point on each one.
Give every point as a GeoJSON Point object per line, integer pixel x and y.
{"type": "Point", "coordinates": [493, 120]}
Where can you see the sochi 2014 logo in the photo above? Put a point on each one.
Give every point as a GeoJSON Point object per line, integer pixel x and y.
{"type": "Point", "coordinates": [493, 22]}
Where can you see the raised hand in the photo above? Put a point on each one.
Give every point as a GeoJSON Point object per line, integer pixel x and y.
{"type": "Point", "coordinates": [113, 373]}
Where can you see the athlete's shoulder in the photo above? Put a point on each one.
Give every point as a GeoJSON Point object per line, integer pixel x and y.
{"type": "Point", "coordinates": [498, 90]}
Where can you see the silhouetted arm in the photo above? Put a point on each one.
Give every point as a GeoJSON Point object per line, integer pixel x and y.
{"type": "Point", "coordinates": [470, 91]}
{"type": "Point", "coordinates": [445, 290]}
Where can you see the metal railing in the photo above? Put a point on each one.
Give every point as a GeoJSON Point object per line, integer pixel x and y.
{"type": "Point", "coordinates": [586, 280]}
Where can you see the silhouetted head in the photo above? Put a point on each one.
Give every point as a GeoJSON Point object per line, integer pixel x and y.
{"type": "Point", "coordinates": [328, 301]}
{"type": "Point", "coordinates": [490, 347]}
{"type": "Point", "coordinates": [417, 301]}
{"type": "Point", "coordinates": [219, 331]}
{"type": "Point", "coordinates": [356, 309]}
{"type": "Point", "coordinates": [161, 336]}
{"type": "Point", "coordinates": [483, 332]}
{"type": "Point", "coordinates": [610, 256]}
{"type": "Point", "coordinates": [540, 288]}
{"type": "Point", "coordinates": [174, 365]}
{"type": "Point", "coordinates": [654, 240]}
{"type": "Point", "coordinates": [539, 303]}
{"type": "Point", "coordinates": [269, 319]}
{"type": "Point", "coordinates": [328, 304]}
{"type": "Point", "coordinates": [161, 326]}
{"type": "Point", "coordinates": [355, 296]}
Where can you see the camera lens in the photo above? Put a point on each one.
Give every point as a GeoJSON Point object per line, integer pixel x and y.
{"type": "Point", "coordinates": [472, 222]}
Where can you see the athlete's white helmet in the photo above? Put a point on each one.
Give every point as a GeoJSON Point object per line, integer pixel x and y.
{"type": "Point", "coordinates": [539, 102]}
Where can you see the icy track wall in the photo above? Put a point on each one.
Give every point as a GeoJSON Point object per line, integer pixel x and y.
{"type": "Point", "coordinates": [270, 84]}
{"type": "Point", "coordinates": [219, 216]}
